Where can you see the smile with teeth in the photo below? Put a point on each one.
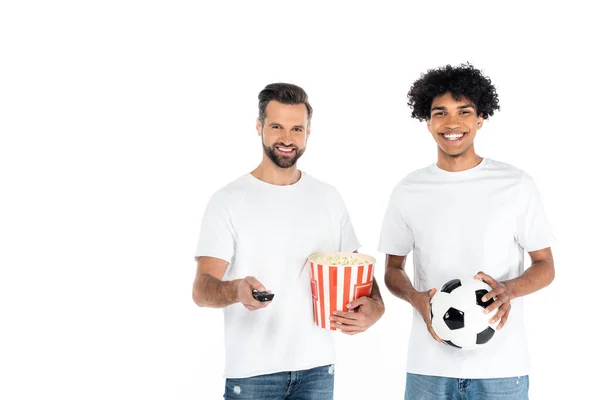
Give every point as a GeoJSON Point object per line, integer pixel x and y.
{"type": "Point", "coordinates": [285, 150]}
{"type": "Point", "coordinates": [453, 135]}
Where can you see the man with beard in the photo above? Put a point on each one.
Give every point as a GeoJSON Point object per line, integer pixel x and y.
{"type": "Point", "coordinates": [257, 233]}
{"type": "Point", "coordinates": [465, 216]}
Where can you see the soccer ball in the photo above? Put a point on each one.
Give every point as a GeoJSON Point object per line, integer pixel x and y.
{"type": "Point", "coordinates": [457, 315]}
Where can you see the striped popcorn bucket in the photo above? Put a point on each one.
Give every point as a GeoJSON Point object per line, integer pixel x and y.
{"type": "Point", "coordinates": [336, 279]}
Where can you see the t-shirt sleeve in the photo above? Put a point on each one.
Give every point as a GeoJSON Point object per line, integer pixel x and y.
{"type": "Point", "coordinates": [396, 236]}
{"type": "Point", "coordinates": [533, 229]}
{"type": "Point", "coordinates": [217, 236]}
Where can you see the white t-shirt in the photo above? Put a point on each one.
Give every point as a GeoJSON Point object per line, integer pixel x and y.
{"type": "Point", "coordinates": [456, 224]}
{"type": "Point", "coordinates": [268, 231]}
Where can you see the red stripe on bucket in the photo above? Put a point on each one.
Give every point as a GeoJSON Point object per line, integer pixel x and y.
{"type": "Point", "coordinates": [347, 276]}
{"type": "Point", "coordinates": [332, 291]}
{"type": "Point", "coordinates": [321, 295]}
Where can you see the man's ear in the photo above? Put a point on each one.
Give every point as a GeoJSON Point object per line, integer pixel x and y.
{"type": "Point", "coordinates": [479, 121]}
{"type": "Point", "coordinates": [258, 127]}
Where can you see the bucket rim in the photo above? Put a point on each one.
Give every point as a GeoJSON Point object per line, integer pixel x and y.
{"type": "Point", "coordinates": [370, 259]}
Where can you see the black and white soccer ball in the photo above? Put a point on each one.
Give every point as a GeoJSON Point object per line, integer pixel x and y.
{"type": "Point", "coordinates": [457, 313]}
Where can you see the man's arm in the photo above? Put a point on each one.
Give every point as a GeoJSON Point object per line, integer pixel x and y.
{"type": "Point", "coordinates": [539, 275]}
{"type": "Point", "coordinates": [396, 279]}
{"type": "Point", "coordinates": [375, 293]}
{"type": "Point", "coordinates": [399, 284]}
{"type": "Point", "coordinates": [210, 290]}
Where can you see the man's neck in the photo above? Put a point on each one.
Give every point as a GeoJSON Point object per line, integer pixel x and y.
{"type": "Point", "coordinates": [459, 163]}
{"type": "Point", "coordinates": [268, 172]}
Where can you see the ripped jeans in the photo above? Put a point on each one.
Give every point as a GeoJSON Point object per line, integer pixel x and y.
{"type": "Point", "coordinates": [310, 384]}
{"type": "Point", "coordinates": [424, 387]}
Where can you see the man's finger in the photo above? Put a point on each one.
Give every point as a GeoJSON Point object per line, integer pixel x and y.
{"type": "Point", "coordinates": [358, 302]}
{"type": "Point", "coordinates": [255, 283]}
{"type": "Point", "coordinates": [493, 306]}
{"type": "Point", "coordinates": [347, 321]}
{"type": "Point", "coordinates": [489, 295]}
{"type": "Point", "coordinates": [493, 293]}
{"type": "Point", "coordinates": [499, 314]}
{"type": "Point", "coordinates": [433, 334]}
{"type": "Point", "coordinates": [503, 321]}
{"type": "Point", "coordinates": [486, 278]}
{"type": "Point", "coordinates": [350, 328]}
{"type": "Point", "coordinates": [504, 308]}
{"type": "Point", "coordinates": [349, 315]}
{"type": "Point", "coordinates": [254, 304]}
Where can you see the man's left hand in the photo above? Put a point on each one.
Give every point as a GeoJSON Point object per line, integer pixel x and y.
{"type": "Point", "coordinates": [366, 312]}
{"type": "Point", "coordinates": [502, 295]}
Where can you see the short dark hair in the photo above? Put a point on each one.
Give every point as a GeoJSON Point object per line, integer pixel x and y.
{"type": "Point", "coordinates": [285, 93]}
{"type": "Point", "coordinates": [462, 81]}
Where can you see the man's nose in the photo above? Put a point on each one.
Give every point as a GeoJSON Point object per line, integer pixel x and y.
{"type": "Point", "coordinates": [286, 137]}
{"type": "Point", "coordinates": [452, 122]}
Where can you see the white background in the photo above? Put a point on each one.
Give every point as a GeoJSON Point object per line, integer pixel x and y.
{"type": "Point", "coordinates": [119, 119]}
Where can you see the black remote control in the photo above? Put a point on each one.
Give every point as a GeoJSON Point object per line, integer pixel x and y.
{"type": "Point", "coordinates": [262, 296]}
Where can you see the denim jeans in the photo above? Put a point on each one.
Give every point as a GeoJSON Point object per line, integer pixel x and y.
{"type": "Point", "coordinates": [423, 387]}
{"type": "Point", "coordinates": [310, 384]}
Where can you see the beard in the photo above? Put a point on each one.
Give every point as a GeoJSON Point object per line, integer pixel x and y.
{"type": "Point", "coordinates": [280, 160]}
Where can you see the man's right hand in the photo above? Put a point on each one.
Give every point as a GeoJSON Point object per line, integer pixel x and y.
{"type": "Point", "coordinates": [244, 293]}
{"type": "Point", "coordinates": [420, 301]}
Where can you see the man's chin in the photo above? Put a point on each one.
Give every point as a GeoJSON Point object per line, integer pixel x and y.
{"type": "Point", "coordinates": [454, 152]}
{"type": "Point", "coordinates": [285, 164]}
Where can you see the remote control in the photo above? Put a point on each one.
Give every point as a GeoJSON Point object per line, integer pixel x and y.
{"type": "Point", "coordinates": [262, 296]}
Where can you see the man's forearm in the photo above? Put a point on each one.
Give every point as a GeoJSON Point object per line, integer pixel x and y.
{"type": "Point", "coordinates": [212, 292]}
{"type": "Point", "coordinates": [375, 293]}
{"type": "Point", "coordinates": [398, 283]}
{"type": "Point", "coordinates": [536, 277]}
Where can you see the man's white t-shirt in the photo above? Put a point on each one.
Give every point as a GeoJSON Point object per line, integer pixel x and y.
{"type": "Point", "coordinates": [268, 231]}
{"type": "Point", "coordinates": [456, 224]}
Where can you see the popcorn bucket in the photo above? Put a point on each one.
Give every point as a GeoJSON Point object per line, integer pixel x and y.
{"type": "Point", "coordinates": [337, 279]}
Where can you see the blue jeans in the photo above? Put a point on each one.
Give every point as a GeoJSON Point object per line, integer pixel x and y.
{"type": "Point", "coordinates": [423, 387]}
{"type": "Point", "coordinates": [310, 384]}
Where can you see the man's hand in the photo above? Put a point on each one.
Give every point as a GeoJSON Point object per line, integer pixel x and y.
{"type": "Point", "coordinates": [420, 301]}
{"type": "Point", "coordinates": [244, 293]}
{"type": "Point", "coordinates": [366, 312]}
{"type": "Point", "coordinates": [502, 303]}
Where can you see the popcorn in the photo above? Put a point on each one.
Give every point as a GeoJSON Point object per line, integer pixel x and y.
{"type": "Point", "coordinates": [340, 259]}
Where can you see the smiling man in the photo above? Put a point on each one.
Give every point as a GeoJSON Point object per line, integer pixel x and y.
{"type": "Point", "coordinates": [256, 234]}
{"type": "Point", "coordinates": [465, 216]}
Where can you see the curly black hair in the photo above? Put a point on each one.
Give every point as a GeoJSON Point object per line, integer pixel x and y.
{"type": "Point", "coordinates": [462, 81]}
